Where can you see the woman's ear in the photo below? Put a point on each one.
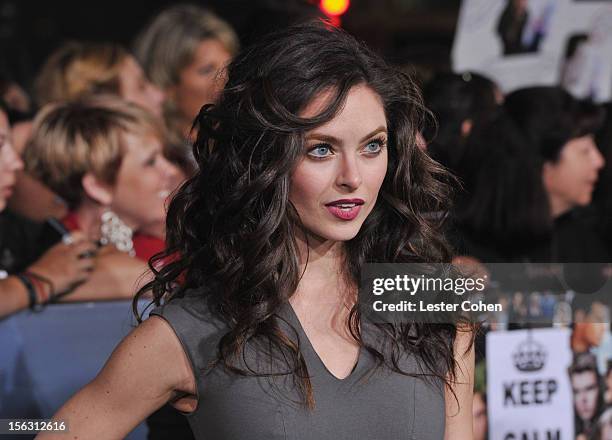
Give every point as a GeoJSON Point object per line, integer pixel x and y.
{"type": "Point", "coordinates": [466, 128]}
{"type": "Point", "coordinates": [97, 190]}
{"type": "Point", "coordinates": [548, 175]}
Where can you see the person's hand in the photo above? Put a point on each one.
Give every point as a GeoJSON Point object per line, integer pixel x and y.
{"type": "Point", "coordinates": [67, 265]}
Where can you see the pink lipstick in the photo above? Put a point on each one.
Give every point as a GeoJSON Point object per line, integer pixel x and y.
{"type": "Point", "coordinates": [345, 209]}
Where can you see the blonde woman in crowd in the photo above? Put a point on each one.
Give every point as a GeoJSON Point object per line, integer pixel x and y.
{"type": "Point", "coordinates": [104, 157]}
{"type": "Point", "coordinates": [78, 69]}
{"type": "Point", "coordinates": [183, 50]}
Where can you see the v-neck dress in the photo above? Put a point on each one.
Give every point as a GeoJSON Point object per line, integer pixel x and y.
{"type": "Point", "coordinates": [368, 404]}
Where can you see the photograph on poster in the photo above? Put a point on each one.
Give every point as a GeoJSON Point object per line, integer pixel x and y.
{"type": "Point", "coordinates": [587, 394]}
{"type": "Point", "coordinates": [587, 68]}
{"type": "Point", "coordinates": [518, 43]}
{"type": "Point", "coordinates": [522, 29]}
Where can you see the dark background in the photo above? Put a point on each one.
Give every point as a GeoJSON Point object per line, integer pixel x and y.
{"type": "Point", "coordinates": [415, 32]}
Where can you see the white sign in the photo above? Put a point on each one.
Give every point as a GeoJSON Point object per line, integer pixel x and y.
{"type": "Point", "coordinates": [529, 395]}
{"type": "Point", "coordinates": [522, 43]}
{"type": "Point", "coordinates": [587, 73]}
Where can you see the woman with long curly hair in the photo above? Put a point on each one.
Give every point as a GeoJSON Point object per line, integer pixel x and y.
{"type": "Point", "coordinates": [309, 169]}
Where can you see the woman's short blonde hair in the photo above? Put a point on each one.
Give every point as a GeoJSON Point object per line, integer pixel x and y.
{"type": "Point", "coordinates": [77, 69]}
{"type": "Point", "coordinates": [167, 45]}
{"type": "Point", "coordinates": [70, 139]}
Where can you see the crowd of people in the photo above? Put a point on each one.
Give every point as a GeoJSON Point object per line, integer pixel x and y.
{"type": "Point", "coordinates": [88, 168]}
{"type": "Point", "coordinates": [89, 162]}
{"type": "Point", "coordinates": [534, 172]}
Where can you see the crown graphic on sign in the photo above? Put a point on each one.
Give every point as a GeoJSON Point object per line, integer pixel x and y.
{"type": "Point", "coordinates": [529, 356]}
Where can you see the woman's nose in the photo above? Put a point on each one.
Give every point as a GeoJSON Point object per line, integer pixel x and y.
{"type": "Point", "coordinates": [170, 171]}
{"type": "Point", "coordinates": [349, 174]}
{"type": "Point", "coordinates": [598, 159]}
{"type": "Point", "coordinates": [14, 159]}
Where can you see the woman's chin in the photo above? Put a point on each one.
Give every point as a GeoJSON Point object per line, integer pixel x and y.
{"type": "Point", "coordinates": [337, 234]}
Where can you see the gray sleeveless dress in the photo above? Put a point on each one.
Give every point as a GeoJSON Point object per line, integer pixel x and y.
{"type": "Point", "coordinates": [363, 406]}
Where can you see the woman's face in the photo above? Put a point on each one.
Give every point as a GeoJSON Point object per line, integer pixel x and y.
{"type": "Point", "coordinates": [520, 5]}
{"type": "Point", "coordinates": [144, 182]}
{"type": "Point", "coordinates": [134, 87]}
{"type": "Point", "coordinates": [569, 182]}
{"type": "Point", "coordinates": [199, 82]}
{"type": "Point", "coordinates": [335, 185]}
{"type": "Point", "coordinates": [10, 162]}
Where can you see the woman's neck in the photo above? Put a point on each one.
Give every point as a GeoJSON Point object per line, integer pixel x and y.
{"type": "Point", "coordinates": [324, 274]}
{"type": "Point", "coordinates": [558, 207]}
{"type": "Point", "coordinates": [181, 127]}
{"type": "Point", "coordinates": [88, 217]}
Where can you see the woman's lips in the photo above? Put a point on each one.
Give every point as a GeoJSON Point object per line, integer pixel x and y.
{"type": "Point", "coordinates": [345, 209]}
{"type": "Point", "coordinates": [344, 213]}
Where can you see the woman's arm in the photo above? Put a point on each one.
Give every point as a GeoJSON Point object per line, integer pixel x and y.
{"type": "Point", "coordinates": [145, 371]}
{"type": "Point", "coordinates": [111, 275]}
{"type": "Point", "coordinates": [61, 265]}
{"type": "Point", "coordinates": [14, 296]}
{"type": "Point", "coordinates": [459, 404]}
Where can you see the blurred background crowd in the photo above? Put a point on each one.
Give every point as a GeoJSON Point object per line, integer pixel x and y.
{"type": "Point", "coordinates": [97, 103]}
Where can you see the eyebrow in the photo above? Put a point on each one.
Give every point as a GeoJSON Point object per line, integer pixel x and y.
{"type": "Point", "coordinates": [335, 140]}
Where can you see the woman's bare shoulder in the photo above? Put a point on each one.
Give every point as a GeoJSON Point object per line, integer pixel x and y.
{"type": "Point", "coordinates": [154, 345]}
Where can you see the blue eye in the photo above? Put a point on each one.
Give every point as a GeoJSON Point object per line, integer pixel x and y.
{"type": "Point", "coordinates": [320, 151]}
{"type": "Point", "coordinates": [375, 146]}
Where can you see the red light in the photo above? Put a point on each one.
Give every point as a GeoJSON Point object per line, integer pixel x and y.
{"type": "Point", "coordinates": [335, 8]}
